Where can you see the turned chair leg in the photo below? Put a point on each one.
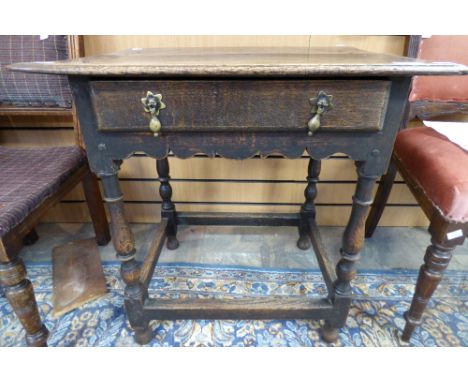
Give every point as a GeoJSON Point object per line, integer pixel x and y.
{"type": "Point", "coordinates": [20, 294]}
{"type": "Point", "coordinates": [168, 209]}
{"type": "Point", "coordinates": [436, 260]}
{"type": "Point", "coordinates": [308, 208]}
{"type": "Point", "coordinates": [381, 198]}
{"type": "Point", "coordinates": [96, 208]}
{"type": "Point", "coordinates": [31, 237]}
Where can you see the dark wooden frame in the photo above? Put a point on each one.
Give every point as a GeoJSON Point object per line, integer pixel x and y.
{"type": "Point", "coordinates": [439, 253]}
{"type": "Point", "coordinates": [370, 151]}
{"type": "Point", "coordinates": [17, 287]}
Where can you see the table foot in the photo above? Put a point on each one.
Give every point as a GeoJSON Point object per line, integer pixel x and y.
{"type": "Point", "coordinates": [329, 334]}
{"type": "Point", "coordinates": [304, 243]}
{"type": "Point", "coordinates": [144, 337]}
{"type": "Point", "coordinates": [172, 243]}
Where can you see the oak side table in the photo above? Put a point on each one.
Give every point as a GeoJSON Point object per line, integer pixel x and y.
{"type": "Point", "coordinates": [237, 103]}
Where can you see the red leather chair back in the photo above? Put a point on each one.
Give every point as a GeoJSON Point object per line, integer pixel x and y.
{"type": "Point", "coordinates": [442, 88]}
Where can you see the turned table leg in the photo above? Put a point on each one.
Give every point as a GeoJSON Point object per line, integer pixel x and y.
{"type": "Point", "coordinates": [436, 261]}
{"type": "Point", "coordinates": [124, 244]}
{"type": "Point", "coordinates": [20, 294]}
{"type": "Point", "coordinates": [168, 209]}
{"type": "Point", "coordinates": [308, 208]}
{"type": "Point", "coordinates": [352, 242]}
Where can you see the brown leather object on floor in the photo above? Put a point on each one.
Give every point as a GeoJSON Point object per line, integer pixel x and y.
{"type": "Point", "coordinates": [439, 166]}
{"type": "Point", "coordinates": [77, 275]}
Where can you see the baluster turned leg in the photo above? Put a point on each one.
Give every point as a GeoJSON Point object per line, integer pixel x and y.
{"type": "Point", "coordinates": [20, 294]}
{"type": "Point", "coordinates": [124, 244]}
{"type": "Point", "coordinates": [167, 207]}
{"type": "Point", "coordinates": [436, 261]}
{"type": "Point", "coordinates": [308, 208]}
{"type": "Point", "coordinates": [352, 242]}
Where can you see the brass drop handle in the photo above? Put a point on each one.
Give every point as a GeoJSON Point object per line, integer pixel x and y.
{"type": "Point", "coordinates": [320, 104]}
{"type": "Point", "coordinates": [152, 104]}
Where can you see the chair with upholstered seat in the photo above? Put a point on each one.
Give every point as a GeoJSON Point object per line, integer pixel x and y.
{"type": "Point", "coordinates": [433, 167]}
{"type": "Point", "coordinates": [33, 179]}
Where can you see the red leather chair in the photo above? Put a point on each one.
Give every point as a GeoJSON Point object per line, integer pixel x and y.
{"type": "Point", "coordinates": [434, 168]}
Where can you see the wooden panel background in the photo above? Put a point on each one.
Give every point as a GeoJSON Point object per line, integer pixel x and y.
{"type": "Point", "coordinates": [203, 184]}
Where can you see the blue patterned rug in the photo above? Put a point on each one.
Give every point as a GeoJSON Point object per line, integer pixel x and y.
{"type": "Point", "coordinates": [375, 318]}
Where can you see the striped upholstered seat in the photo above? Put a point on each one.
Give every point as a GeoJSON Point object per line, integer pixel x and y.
{"type": "Point", "coordinates": [30, 175]}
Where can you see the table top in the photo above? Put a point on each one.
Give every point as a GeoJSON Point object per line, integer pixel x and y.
{"type": "Point", "coordinates": [244, 62]}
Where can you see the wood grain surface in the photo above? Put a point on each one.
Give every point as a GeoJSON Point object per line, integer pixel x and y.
{"type": "Point", "coordinates": [255, 105]}
{"type": "Point", "coordinates": [244, 62]}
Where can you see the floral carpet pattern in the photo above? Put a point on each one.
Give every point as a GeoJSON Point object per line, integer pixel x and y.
{"type": "Point", "coordinates": [376, 316]}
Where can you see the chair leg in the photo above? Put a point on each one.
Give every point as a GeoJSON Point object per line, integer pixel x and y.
{"type": "Point", "coordinates": [436, 260]}
{"type": "Point", "coordinates": [380, 200]}
{"type": "Point", "coordinates": [20, 294]}
{"type": "Point", "coordinates": [31, 237]}
{"type": "Point", "coordinates": [96, 208]}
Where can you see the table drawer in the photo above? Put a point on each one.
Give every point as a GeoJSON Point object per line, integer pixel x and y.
{"type": "Point", "coordinates": [240, 105]}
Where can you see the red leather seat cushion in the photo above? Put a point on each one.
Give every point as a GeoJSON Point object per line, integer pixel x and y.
{"type": "Point", "coordinates": [439, 166]}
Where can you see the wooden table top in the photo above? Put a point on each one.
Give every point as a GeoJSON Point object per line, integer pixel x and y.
{"type": "Point", "coordinates": [243, 61]}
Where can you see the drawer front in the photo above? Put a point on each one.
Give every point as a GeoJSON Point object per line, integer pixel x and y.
{"type": "Point", "coordinates": [240, 105]}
